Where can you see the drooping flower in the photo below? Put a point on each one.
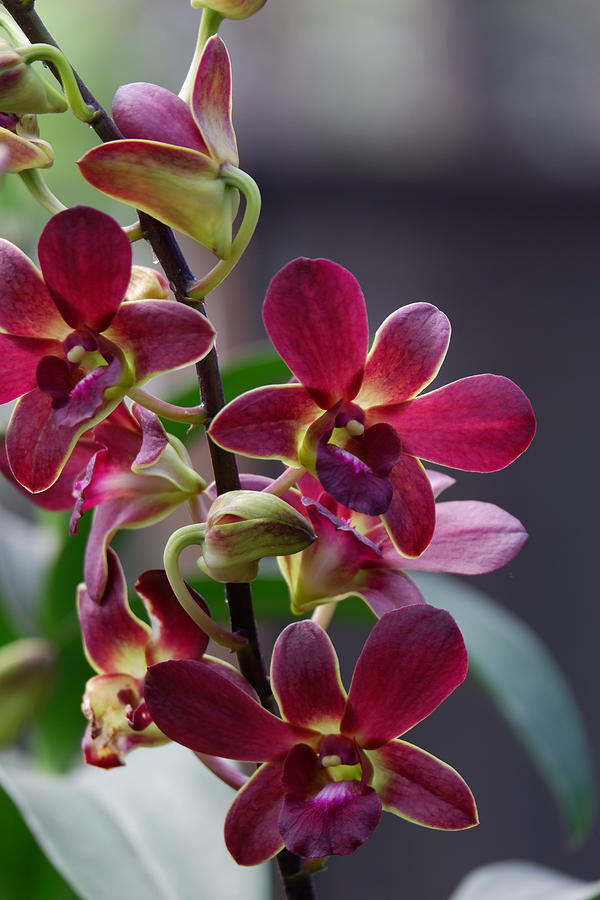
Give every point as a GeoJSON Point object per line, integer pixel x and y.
{"type": "Point", "coordinates": [137, 477]}
{"type": "Point", "coordinates": [20, 139]}
{"type": "Point", "coordinates": [334, 761]}
{"type": "Point", "coordinates": [170, 163]}
{"type": "Point", "coordinates": [72, 347]}
{"type": "Point", "coordinates": [120, 646]}
{"type": "Point", "coordinates": [353, 554]}
{"type": "Point", "coordinates": [355, 420]}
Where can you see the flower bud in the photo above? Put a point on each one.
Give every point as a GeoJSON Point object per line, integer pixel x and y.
{"type": "Point", "coordinates": [231, 9]}
{"type": "Point", "coordinates": [245, 526]}
{"type": "Point", "coordinates": [21, 90]}
{"type": "Point", "coordinates": [20, 139]}
{"type": "Point", "coordinates": [24, 669]}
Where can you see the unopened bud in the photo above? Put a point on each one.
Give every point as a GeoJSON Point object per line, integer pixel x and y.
{"type": "Point", "coordinates": [245, 526]}
{"type": "Point", "coordinates": [231, 9]}
{"type": "Point", "coordinates": [24, 669]}
{"type": "Point", "coordinates": [21, 89]}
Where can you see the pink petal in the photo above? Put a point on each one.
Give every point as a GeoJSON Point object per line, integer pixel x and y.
{"type": "Point", "coordinates": [86, 399]}
{"type": "Point", "coordinates": [26, 307]}
{"type": "Point", "coordinates": [470, 538]}
{"type": "Point", "coordinates": [20, 359]}
{"type": "Point", "coordinates": [439, 481]}
{"type": "Point", "coordinates": [418, 786]}
{"type": "Point", "coordinates": [211, 102]}
{"type": "Point", "coordinates": [132, 510]}
{"type": "Point", "coordinates": [412, 660]}
{"type": "Point", "coordinates": [37, 447]}
{"type": "Point", "coordinates": [316, 317]}
{"type": "Point", "coordinates": [114, 639]}
{"type": "Point", "coordinates": [268, 422]}
{"type": "Point", "coordinates": [60, 495]}
{"type": "Point", "coordinates": [154, 437]}
{"type": "Point", "coordinates": [160, 335]}
{"type": "Point", "coordinates": [385, 590]}
{"type": "Point", "coordinates": [19, 153]}
{"type": "Point", "coordinates": [153, 113]}
{"type": "Point", "coordinates": [407, 353]}
{"type": "Point", "coordinates": [200, 708]}
{"type": "Point", "coordinates": [410, 517]}
{"type": "Point", "coordinates": [351, 481]}
{"type": "Point", "coordinates": [174, 635]}
{"type": "Point", "coordinates": [73, 250]}
{"type": "Point", "coordinates": [305, 676]}
{"type": "Point", "coordinates": [179, 186]}
{"type": "Point", "coordinates": [252, 824]}
{"type": "Point", "coordinates": [335, 820]}
{"type": "Point", "coordinates": [480, 424]}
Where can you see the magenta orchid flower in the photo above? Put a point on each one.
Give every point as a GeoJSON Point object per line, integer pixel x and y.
{"type": "Point", "coordinates": [137, 477]}
{"type": "Point", "coordinates": [170, 163]}
{"type": "Point", "coordinates": [72, 348]}
{"type": "Point", "coordinates": [334, 761]}
{"type": "Point", "coordinates": [355, 419]}
{"type": "Point", "coordinates": [354, 556]}
{"type": "Point", "coordinates": [120, 646]}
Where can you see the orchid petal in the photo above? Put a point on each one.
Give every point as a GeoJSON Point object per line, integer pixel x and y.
{"type": "Point", "coordinates": [73, 252]}
{"type": "Point", "coordinates": [25, 153]}
{"type": "Point", "coordinates": [146, 284]}
{"type": "Point", "coordinates": [178, 186]}
{"type": "Point", "coordinates": [385, 590]}
{"type": "Point", "coordinates": [113, 637]}
{"type": "Point", "coordinates": [410, 517]}
{"type": "Point", "coordinates": [174, 635]}
{"type": "Point", "coordinates": [407, 354]}
{"type": "Point", "coordinates": [160, 335]}
{"type": "Point", "coordinates": [315, 315]}
{"type": "Point", "coordinates": [26, 307]}
{"type": "Point", "coordinates": [211, 101]}
{"type": "Point", "coordinates": [351, 481]}
{"type": "Point", "coordinates": [86, 398]}
{"type": "Point", "coordinates": [203, 710]}
{"type": "Point", "coordinates": [252, 824]}
{"type": "Point", "coordinates": [37, 446]}
{"type": "Point", "coordinates": [480, 424]}
{"type": "Point", "coordinates": [152, 113]}
{"type": "Point", "coordinates": [439, 481]}
{"type": "Point", "coordinates": [470, 538]}
{"type": "Point", "coordinates": [419, 787]}
{"type": "Point", "coordinates": [268, 422]}
{"type": "Point", "coordinates": [133, 510]}
{"type": "Point", "coordinates": [154, 438]}
{"type": "Point", "coordinates": [412, 660]}
{"type": "Point", "coordinates": [305, 676]}
{"type": "Point", "coordinates": [336, 820]}
{"type": "Point", "coordinates": [20, 359]}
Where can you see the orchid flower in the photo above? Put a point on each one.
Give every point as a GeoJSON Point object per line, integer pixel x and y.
{"type": "Point", "coordinates": [170, 163]}
{"type": "Point", "coordinates": [72, 348]}
{"type": "Point", "coordinates": [334, 761]}
{"type": "Point", "coordinates": [138, 476]}
{"type": "Point", "coordinates": [119, 646]}
{"type": "Point", "coordinates": [355, 419]}
{"type": "Point", "coordinates": [353, 554]}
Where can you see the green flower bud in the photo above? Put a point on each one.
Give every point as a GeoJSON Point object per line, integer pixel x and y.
{"type": "Point", "coordinates": [245, 526]}
{"type": "Point", "coordinates": [231, 9]}
{"type": "Point", "coordinates": [24, 669]}
{"type": "Point", "coordinates": [21, 90]}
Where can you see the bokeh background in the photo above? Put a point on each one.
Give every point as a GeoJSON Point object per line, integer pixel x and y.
{"type": "Point", "coordinates": [443, 150]}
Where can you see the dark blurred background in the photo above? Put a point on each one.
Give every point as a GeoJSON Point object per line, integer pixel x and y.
{"type": "Point", "coordinates": [449, 151]}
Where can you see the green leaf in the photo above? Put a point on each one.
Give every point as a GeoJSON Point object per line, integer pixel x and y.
{"type": "Point", "coordinates": [523, 681]}
{"type": "Point", "coordinates": [151, 829]}
{"type": "Point", "coordinates": [523, 881]}
{"type": "Point", "coordinates": [248, 372]}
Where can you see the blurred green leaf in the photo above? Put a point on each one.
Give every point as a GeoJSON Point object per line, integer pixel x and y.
{"type": "Point", "coordinates": [245, 373]}
{"type": "Point", "coordinates": [153, 829]}
{"type": "Point", "coordinates": [26, 873]}
{"type": "Point", "coordinates": [517, 672]}
{"type": "Point", "coordinates": [25, 666]}
{"type": "Point", "coordinates": [523, 881]}
{"type": "Point", "coordinates": [58, 730]}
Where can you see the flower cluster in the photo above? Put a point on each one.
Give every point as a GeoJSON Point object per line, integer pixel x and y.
{"type": "Point", "coordinates": [353, 511]}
